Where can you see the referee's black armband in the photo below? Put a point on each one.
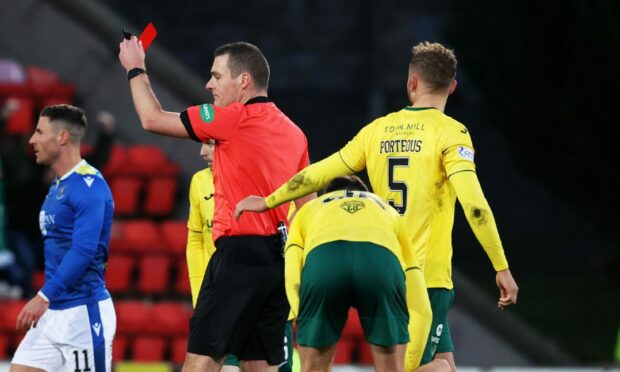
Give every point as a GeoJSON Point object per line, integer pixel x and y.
{"type": "Point", "coordinates": [135, 72]}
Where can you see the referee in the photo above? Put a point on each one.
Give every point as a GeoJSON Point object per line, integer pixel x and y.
{"type": "Point", "coordinates": [242, 307]}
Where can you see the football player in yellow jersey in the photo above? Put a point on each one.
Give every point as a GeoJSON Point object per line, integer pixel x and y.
{"type": "Point", "coordinates": [200, 245]}
{"type": "Point", "coordinates": [349, 248]}
{"type": "Point", "coordinates": [420, 160]}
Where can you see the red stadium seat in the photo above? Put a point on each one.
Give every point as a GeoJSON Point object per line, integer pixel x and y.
{"type": "Point", "coordinates": [22, 120]}
{"type": "Point", "coordinates": [344, 351]}
{"type": "Point", "coordinates": [160, 196]}
{"type": "Point", "coordinates": [119, 348]}
{"type": "Point", "coordinates": [148, 349]}
{"type": "Point", "coordinates": [181, 284]}
{"type": "Point", "coordinates": [132, 317]}
{"type": "Point", "coordinates": [179, 349]}
{"type": "Point", "coordinates": [4, 345]}
{"type": "Point", "coordinates": [140, 236]}
{"type": "Point", "coordinates": [118, 274]}
{"type": "Point", "coordinates": [171, 318]}
{"type": "Point", "coordinates": [174, 235]}
{"type": "Point", "coordinates": [365, 353]}
{"type": "Point", "coordinates": [145, 159]}
{"type": "Point", "coordinates": [117, 163]}
{"type": "Point", "coordinates": [38, 280]}
{"type": "Point", "coordinates": [353, 327]}
{"type": "Point", "coordinates": [154, 274]}
{"type": "Point", "coordinates": [11, 310]}
{"type": "Point", "coordinates": [126, 192]}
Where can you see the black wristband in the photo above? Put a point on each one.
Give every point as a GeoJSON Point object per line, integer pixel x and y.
{"type": "Point", "coordinates": [135, 72]}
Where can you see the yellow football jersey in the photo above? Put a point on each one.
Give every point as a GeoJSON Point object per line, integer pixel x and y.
{"type": "Point", "coordinates": [409, 156]}
{"type": "Point", "coordinates": [412, 157]}
{"type": "Point", "coordinates": [355, 216]}
{"type": "Point", "coordinates": [200, 245]}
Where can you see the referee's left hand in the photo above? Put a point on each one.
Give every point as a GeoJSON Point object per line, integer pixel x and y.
{"type": "Point", "coordinates": [31, 313]}
{"type": "Point", "coordinates": [250, 204]}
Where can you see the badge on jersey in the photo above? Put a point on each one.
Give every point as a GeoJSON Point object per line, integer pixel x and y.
{"type": "Point", "coordinates": [352, 206]}
{"type": "Point", "coordinates": [206, 113]}
{"type": "Point", "coordinates": [466, 153]}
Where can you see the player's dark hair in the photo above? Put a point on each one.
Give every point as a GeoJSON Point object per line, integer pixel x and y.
{"type": "Point", "coordinates": [71, 118]}
{"type": "Point", "coordinates": [246, 57]}
{"type": "Point", "coordinates": [350, 183]}
{"type": "Point", "coordinates": [435, 63]}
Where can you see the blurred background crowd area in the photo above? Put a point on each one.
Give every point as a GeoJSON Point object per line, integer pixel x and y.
{"type": "Point", "coordinates": [536, 90]}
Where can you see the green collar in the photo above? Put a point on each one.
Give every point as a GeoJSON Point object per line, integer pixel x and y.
{"type": "Point", "coordinates": [419, 108]}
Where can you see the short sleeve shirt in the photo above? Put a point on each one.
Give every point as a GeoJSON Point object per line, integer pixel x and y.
{"type": "Point", "coordinates": [258, 148]}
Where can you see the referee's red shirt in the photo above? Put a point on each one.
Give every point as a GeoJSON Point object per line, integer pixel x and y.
{"type": "Point", "coordinates": [258, 148]}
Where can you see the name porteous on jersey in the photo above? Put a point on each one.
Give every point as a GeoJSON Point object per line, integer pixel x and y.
{"type": "Point", "coordinates": [400, 145]}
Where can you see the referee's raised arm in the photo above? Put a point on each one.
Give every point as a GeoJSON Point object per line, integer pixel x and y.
{"type": "Point", "coordinates": [152, 116]}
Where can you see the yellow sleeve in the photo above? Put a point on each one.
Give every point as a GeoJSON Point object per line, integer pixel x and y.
{"type": "Point", "coordinates": [293, 263]}
{"type": "Point", "coordinates": [308, 180]}
{"type": "Point", "coordinates": [195, 252]}
{"type": "Point", "coordinates": [479, 215]}
{"type": "Point", "coordinates": [406, 246]}
{"type": "Point", "coordinates": [420, 318]}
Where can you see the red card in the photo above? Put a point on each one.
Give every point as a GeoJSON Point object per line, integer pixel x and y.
{"type": "Point", "coordinates": [148, 35]}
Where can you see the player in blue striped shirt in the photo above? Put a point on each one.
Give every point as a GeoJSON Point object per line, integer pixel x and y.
{"type": "Point", "coordinates": [70, 323]}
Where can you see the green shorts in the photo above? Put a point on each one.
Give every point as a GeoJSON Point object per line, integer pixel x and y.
{"type": "Point", "coordinates": [440, 339]}
{"type": "Point", "coordinates": [341, 274]}
{"type": "Point", "coordinates": [287, 366]}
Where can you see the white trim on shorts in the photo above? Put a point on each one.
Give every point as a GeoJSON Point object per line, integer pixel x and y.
{"type": "Point", "coordinates": [64, 338]}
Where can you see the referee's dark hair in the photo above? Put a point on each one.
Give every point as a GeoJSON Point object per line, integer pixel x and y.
{"type": "Point", "coordinates": [350, 183]}
{"type": "Point", "coordinates": [71, 118]}
{"type": "Point", "coordinates": [246, 57]}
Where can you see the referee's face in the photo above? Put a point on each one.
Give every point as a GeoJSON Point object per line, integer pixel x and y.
{"type": "Point", "coordinates": [224, 88]}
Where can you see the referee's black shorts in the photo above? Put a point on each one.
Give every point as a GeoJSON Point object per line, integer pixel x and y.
{"type": "Point", "coordinates": [242, 307]}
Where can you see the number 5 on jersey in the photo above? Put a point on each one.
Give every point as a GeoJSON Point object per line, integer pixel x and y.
{"type": "Point", "coordinates": [397, 186]}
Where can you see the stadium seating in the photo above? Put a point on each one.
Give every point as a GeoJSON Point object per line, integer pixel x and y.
{"type": "Point", "coordinates": [118, 274]}
{"type": "Point", "coordinates": [148, 348]}
{"type": "Point", "coordinates": [132, 317]}
{"type": "Point", "coordinates": [170, 318]}
{"type": "Point", "coordinates": [126, 192]}
{"type": "Point", "coordinates": [174, 235]}
{"type": "Point", "coordinates": [181, 283]}
{"type": "Point", "coordinates": [364, 353]}
{"type": "Point", "coordinates": [344, 351]}
{"type": "Point", "coordinates": [10, 310]}
{"type": "Point", "coordinates": [38, 280]}
{"type": "Point", "coordinates": [120, 345]}
{"type": "Point", "coordinates": [178, 350]}
{"type": "Point", "coordinates": [154, 274]}
{"type": "Point", "coordinates": [138, 236]}
{"type": "Point", "coordinates": [160, 196]}
{"type": "Point", "coordinates": [4, 345]}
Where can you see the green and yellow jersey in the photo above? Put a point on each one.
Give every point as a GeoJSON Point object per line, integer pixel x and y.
{"type": "Point", "coordinates": [419, 160]}
{"type": "Point", "coordinates": [354, 216]}
{"type": "Point", "coordinates": [200, 245]}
